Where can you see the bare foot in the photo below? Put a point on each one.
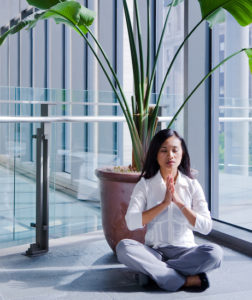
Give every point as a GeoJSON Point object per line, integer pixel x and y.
{"type": "Point", "coordinates": [193, 280]}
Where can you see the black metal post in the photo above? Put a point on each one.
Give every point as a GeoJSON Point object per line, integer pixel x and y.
{"type": "Point", "coordinates": [42, 189]}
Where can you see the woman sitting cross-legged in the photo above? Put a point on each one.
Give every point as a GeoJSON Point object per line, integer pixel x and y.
{"type": "Point", "coordinates": [171, 203]}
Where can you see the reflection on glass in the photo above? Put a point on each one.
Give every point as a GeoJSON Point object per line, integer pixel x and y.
{"type": "Point", "coordinates": [232, 93]}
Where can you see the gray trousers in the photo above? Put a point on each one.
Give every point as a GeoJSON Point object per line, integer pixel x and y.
{"type": "Point", "coordinates": [168, 266]}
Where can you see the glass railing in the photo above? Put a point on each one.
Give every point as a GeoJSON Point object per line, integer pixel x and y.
{"type": "Point", "coordinates": [76, 148]}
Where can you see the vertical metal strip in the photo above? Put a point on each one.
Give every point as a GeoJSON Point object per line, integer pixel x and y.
{"type": "Point", "coordinates": [45, 215]}
{"type": "Point", "coordinates": [186, 29]}
{"type": "Point", "coordinates": [38, 186]}
{"type": "Point", "coordinates": [45, 186]}
{"type": "Point", "coordinates": [209, 129]}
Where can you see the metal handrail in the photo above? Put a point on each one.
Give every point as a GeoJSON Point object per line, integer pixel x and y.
{"type": "Point", "coordinates": [236, 107]}
{"type": "Point", "coordinates": [64, 119]}
{"type": "Point", "coordinates": [235, 119]}
{"type": "Point", "coordinates": [58, 103]}
{"type": "Point", "coordinates": [67, 103]}
{"type": "Point", "coordinates": [88, 119]}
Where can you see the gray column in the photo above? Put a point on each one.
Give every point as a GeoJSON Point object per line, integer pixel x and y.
{"type": "Point", "coordinates": [4, 93]}
{"type": "Point", "coordinates": [23, 5]}
{"type": "Point", "coordinates": [215, 126]}
{"type": "Point", "coordinates": [107, 39]}
{"type": "Point", "coordinates": [78, 85]}
{"type": "Point", "coordinates": [25, 91]}
{"type": "Point", "coordinates": [39, 75]}
{"type": "Point", "coordinates": [9, 10]}
{"type": "Point", "coordinates": [197, 111]}
{"type": "Point", "coordinates": [173, 91]}
{"type": "Point", "coordinates": [124, 73]}
{"type": "Point", "coordinates": [4, 63]}
{"type": "Point", "coordinates": [14, 59]}
{"type": "Point", "coordinates": [68, 87]}
{"type": "Point", "coordinates": [236, 95]}
{"type": "Point", "coordinates": [39, 54]}
{"type": "Point", "coordinates": [93, 95]}
{"type": "Point", "coordinates": [55, 82]}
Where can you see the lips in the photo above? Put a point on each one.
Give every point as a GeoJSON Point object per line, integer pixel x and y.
{"type": "Point", "coordinates": [171, 162]}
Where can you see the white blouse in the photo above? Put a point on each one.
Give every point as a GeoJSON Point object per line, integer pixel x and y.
{"type": "Point", "coordinates": [170, 226]}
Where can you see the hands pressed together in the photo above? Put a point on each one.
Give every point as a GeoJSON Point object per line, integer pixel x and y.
{"type": "Point", "coordinates": [171, 195]}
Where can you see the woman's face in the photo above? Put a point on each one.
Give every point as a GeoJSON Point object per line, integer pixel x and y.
{"type": "Point", "coordinates": [170, 155]}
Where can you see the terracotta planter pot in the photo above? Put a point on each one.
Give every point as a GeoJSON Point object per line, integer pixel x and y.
{"type": "Point", "coordinates": [116, 189]}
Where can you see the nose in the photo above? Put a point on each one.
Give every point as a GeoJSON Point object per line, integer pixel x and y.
{"type": "Point", "coordinates": [170, 154]}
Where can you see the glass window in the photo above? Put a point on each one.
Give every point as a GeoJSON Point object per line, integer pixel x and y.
{"type": "Point", "coordinates": [231, 98]}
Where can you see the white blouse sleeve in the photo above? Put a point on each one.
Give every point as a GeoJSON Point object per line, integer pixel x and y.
{"type": "Point", "coordinates": [199, 205]}
{"type": "Point", "coordinates": [137, 205]}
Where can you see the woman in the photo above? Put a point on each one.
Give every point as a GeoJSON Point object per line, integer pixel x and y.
{"type": "Point", "coordinates": [171, 204]}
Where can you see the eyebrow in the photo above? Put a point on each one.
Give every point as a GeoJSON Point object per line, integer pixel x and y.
{"type": "Point", "coordinates": [164, 147]}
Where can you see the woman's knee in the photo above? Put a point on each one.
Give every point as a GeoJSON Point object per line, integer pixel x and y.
{"type": "Point", "coordinates": [217, 255]}
{"type": "Point", "coordinates": [124, 246]}
{"type": "Point", "coordinates": [125, 243]}
{"type": "Point", "coordinates": [213, 253]}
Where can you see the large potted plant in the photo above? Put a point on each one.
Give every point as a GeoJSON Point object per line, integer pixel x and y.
{"type": "Point", "coordinates": [141, 118]}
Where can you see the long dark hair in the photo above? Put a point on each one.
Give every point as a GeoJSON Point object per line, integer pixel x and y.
{"type": "Point", "coordinates": [151, 165]}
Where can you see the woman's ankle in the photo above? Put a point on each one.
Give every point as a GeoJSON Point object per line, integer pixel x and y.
{"type": "Point", "coordinates": [193, 280]}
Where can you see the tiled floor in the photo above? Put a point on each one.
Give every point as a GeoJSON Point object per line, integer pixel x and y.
{"type": "Point", "coordinates": [84, 267]}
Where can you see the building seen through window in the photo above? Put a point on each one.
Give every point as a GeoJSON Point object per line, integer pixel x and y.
{"type": "Point", "coordinates": [232, 98]}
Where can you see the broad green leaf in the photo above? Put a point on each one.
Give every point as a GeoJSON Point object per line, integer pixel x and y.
{"type": "Point", "coordinates": [249, 54]}
{"type": "Point", "coordinates": [14, 30]}
{"type": "Point", "coordinates": [70, 13]}
{"type": "Point", "coordinates": [44, 4]}
{"type": "Point", "coordinates": [241, 10]}
{"type": "Point", "coordinates": [219, 16]}
{"type": "Point", "coordinates": [64, 10]}
{"type": "Point", "coordinates": [86, 16]}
